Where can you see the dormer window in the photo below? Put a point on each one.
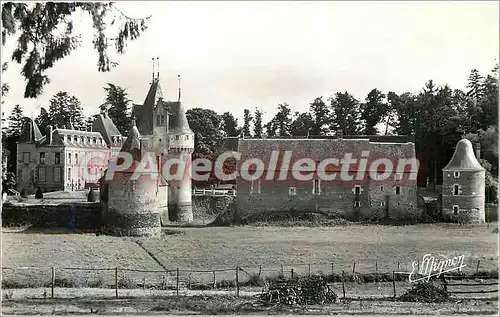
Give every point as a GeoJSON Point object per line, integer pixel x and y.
{"type": "Point", "coordinates": [160, 120]}
{"type": "Point", "coordinates": [456, 174]}
{"type": "Point", "coordinates": [75, 139]}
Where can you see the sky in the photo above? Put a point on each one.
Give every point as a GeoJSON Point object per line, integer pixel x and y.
{"type": "Point", "coordinates": [237, 55]}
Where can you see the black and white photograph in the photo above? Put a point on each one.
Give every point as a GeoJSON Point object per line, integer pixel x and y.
{"type": "Point", "coordinates": [249, 158]}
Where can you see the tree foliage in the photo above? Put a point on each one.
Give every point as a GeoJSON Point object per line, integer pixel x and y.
{"type": "Point", "coordinates": [320, 115]}
{"type": "Point", "coordinates": [373, 110]}
{"type": "Point", "coordinates": [66, 110]}
{"type": "Point", "coordinates": [206, 126]}
{"type": "Point", "coordinates": [302, 125]}
{"type": "Point", "coordinates": [117, 106]}
{"type": "Point", "coordinates": [257, 123]}
{"type": "Point", "coordinates": [230, 125]}
{"type": "Point", "coordinates": [45, 35]}
{"type": "Point", "coordinates": [247, 119]}
{"type": "Point", "coordinates": [281, 123]}
{"type": "Point", "coordinates": [345, 113]}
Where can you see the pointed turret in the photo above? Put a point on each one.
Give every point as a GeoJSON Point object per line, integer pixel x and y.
{"type": "Point", "coordinates": [146, 111]}
{"type": "Point", "coordinates": [464, 159]}
{"type": "Point", "coordinates": [132, 144]}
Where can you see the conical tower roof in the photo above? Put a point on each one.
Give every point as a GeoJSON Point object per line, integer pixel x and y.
{"type": "Point", "coordinates": [132, 144]}
{"type": "Point", "coordinates": [145, 114]}
{"type": "Point", "coordinates": [463, 159]}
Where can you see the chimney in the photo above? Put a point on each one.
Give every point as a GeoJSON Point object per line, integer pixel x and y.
{"type": "Point", "coordinates": [50, 135]}
{"type": "Point", "coordinates": [477, 150]}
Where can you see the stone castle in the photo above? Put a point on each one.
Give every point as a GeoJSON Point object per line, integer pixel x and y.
{"type": "Point", "coordinates": [142, 206]}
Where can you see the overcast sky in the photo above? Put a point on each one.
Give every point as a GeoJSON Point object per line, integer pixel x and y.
{"type": "Point", "coordinates": [236, 55]}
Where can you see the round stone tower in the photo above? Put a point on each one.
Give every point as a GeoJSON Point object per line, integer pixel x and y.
{"type": "Point", "coordinates": [180, 149]}
{"type": "Point", "coordinates": [463, 186]}
{"type": "Point", "coordinates": [132, 194]}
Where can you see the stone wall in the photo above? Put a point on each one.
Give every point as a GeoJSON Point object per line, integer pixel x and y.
{"type": "Point", "coordinates": [471, 199]}
{"type": "Point", "coordinates": [86, 216]}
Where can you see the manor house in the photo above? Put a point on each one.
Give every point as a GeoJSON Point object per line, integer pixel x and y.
{"type": "Point", "coordinates": [65, 158]}
{"type": "Point", "coordinates": [366, 194]}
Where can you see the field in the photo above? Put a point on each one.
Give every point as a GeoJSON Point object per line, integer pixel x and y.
{"type": "Point", "coordinates": [371, 247]}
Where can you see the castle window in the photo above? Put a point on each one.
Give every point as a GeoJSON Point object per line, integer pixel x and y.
{"type": "Point", "coordinates": [456, 174]}
{"type": "Point", "coordinates": [76, 158]}
{"type": "Point", "coordinates": [316, 187]}
{"type": "Point", "coordinates": [381, 188]}
{"type": "Point", "coordinates": [455, 209]}
{"type": "Point", "coordinates": [69, 158]}
{"type": "Point", "coordinates": [292, 191]}
{"type": "Point", "coordinates": [26, 157]}
{"type": "Point", "coordinates": [57, 174]}
{"type": "Point", "coordinates": [357, 189]}
{"type": "Point", "coordinates": [160, 120]}
{"type": "Point", "coordinates": [382, 204]}
{"type": "Point", "coordinates": [398, 204]}
{"type": "Point", "coordinates": [187, 137]}
{"type": "Point", "coordinates": [357, 204]}
{"type": "Point", "coordinates": [177, 137]}
{"type": "Point", "coordinates": [69, 174]}
{"type": "Point", "coordinates": [456, 189]}
{"type": "Point", "coordinates": [75, 139]}
{"type": "Point", "coordinates": [57, 158]}
{"type": "Point", "coordinates": [398, 190]}
{"type": "Point", "coordinates": [42, 157]}
{"type": "Point", "coordinates": [41, 174]}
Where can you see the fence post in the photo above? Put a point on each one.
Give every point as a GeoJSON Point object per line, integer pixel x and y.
{"type": "Point", "coordinates": [291, 273]}
{"type": "Point", "coordinates": [177, 282]}
{"type": "Point", "coordinates": [376, 267]}
{"type": "Point", "coordinates": [215, 282]}
{"type": "Point", "coordinates": [189, 281]}
{"type": "Point", "coordinates": [353, 268]}
{"type": "Point", "coordinates": [343, 283]}
{"type": "Point", "coordinates": [477, 267]}
{"type": "Point", "coordinates": [163, 282]}
{"type": "Point", "coordinates": [53, 282]}
{"type": "Point", "coordinates": [309, 269]}
{"type": "Point", "coordinates": [260, 270]}
{"type": "Point", "coordinates": [332, 269]}
{"type": "Point", "coordinates": [282, 272]}
{"type": "Point", "coordinates": [116, 281]}
{"type": "Point", "coordinates": [237, 282]}
{"type": "Point", "coordinates": [444, 282]}
{"type": "Point", "coordinates": [398, 266]}
{"type": "Point", "coordinates": [394, 283]}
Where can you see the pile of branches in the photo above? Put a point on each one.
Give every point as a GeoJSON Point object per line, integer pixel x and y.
{"type": "Point", "coordinates": [312, 290]}
{"type": "Point", "coordinates": [425, 292]}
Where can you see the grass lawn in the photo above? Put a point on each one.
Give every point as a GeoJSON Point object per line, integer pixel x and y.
{"type": "Point", "coordinates": [248, 247]}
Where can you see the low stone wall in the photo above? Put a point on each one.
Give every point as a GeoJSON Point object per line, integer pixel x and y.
{"type": "Point", "coordinates": [85, 216]}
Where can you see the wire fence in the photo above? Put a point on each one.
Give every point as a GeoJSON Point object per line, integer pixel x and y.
{"type": "Point", "coordinates": [250, 279]}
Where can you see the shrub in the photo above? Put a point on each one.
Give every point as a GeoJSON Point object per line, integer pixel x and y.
{"type": "Point", "coordinates": [425, 292]}
{"type": "Point", "coordinates": [24, 194]}
{"type": "Point", "coordinates": [38, 194]}
{"type": "Point", "coordinates": [91, 197]}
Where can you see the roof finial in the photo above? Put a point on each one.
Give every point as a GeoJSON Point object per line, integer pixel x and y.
{"type": "Point", "coordinates": [153, 59]}
{"type": "Point", "coordinates": [179, 79]}
{"type": "Point", "coordinates": [158, 70]}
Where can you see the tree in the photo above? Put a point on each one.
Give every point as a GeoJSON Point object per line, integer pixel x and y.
{"type": "Point", "coordinates": [43, 121]}
{"type": "Point", "coordinates": [230, 125]}
{"type": "Point", "coordinates": [206, 126]}
{"type": "Point", "coordinates": [345, 110]}
{"type": "Point", "coordinates": [117, 105]}
{"type": "Point", "coordinates": [474, 84]}
{"type": "Point", "coordinates": [65, 109]}
{"type": "Point", "coordinates": [373, 111]}
{"type": "Point", "coordinates": [17, 122]}
{"type": "Point", "coordinates": [320, 115]}
{"type": "Point", "coordinates": [89, 122]}
{"type": "Point", "coordinates": [257, 123]}
{"type": "Point", "coordinates": [281, 124]}
{"type": "Point", "coordinates": [247, 118]}
{"type": "Point", "coordinates": [488, 102]}
{"type": "Point", "coordinates": [302, 125]}
{"type": "Point", "coordinates": [46, 35]}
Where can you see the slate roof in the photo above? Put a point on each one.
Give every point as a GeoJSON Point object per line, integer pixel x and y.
{"type": "Point", "coordinates": [132, 144]}
{"type": "Point", "coordinates": [32, 133]}
{"type": "Point", "coordinates": [58, 139]}
{"type": "Point", "coordinates": [145, 114]}
{"type": "Point", "coordinates": [177, 120]}
{"type": "Point", "coordinates": [463, 159]}
{"type": "Point", "coordinates": [320, 149]}
{"type": "Point", "coordinates": [105, 126]}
